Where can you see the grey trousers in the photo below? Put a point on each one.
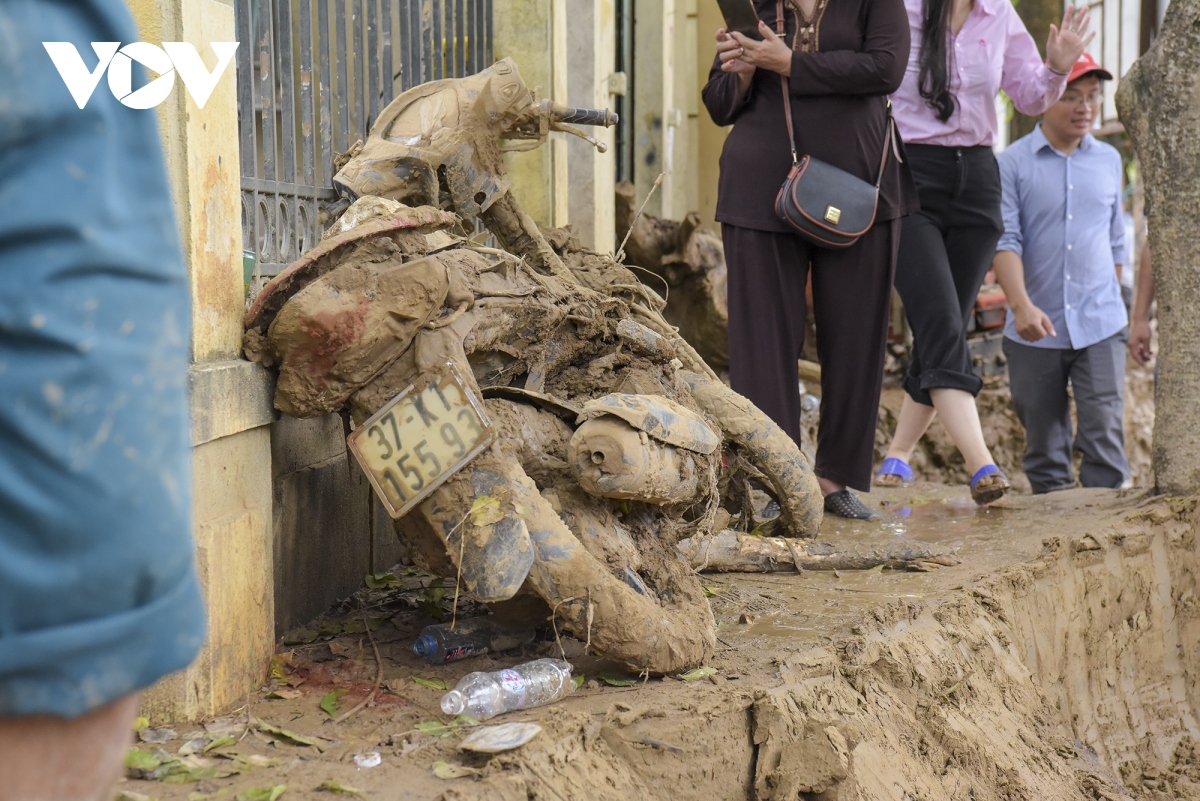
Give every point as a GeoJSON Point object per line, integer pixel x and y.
{"type": "Point", "coordinates": [1038, 380]}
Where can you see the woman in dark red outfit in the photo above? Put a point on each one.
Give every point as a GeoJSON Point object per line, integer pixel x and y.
{"type": "Point", "coordinates": [848, 56]}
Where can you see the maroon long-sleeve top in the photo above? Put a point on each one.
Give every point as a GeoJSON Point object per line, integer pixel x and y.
{"type": "Point", "coordinates": [851, 55]}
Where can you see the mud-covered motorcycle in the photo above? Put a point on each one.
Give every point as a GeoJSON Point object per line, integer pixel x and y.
{"type": "Point", "coordinates": [526, 413]}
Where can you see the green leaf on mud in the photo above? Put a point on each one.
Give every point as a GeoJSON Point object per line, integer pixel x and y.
{"type": "Point", "coordinates": [139, 760]}
{"type": "Point", "coordinates": [698, 673]}
{"type": "Point", "coordinates": [446, 770]}
{"type": "Point", "coordinates": [337, 788]}
{"type": "Point", "coordinates": [435, 591]}
{"type": "Point", "coordinates": [356, 625]}
{"type": "Point", "coordinates": [196, 796]}
{"type": "Point", "coordinates": [435, 728]}
{"type": "Point", "coordinates": [279, 665]}
{"type": "Point", "coordinates": [757, 532]}
{"type": "Point", "coordinates": [300, 636]}
{"type": "Point", "coordinates": [262, 793]}
{"type": "Point", "coordinates": [180, 774]}
{"type": "Point", "coordinates": [380, 581]}
{"type": "Point", "coordinates": [486, 510]}
{"type": "Point", "coordinates": [331, 628]}
{"type": "Point", "coordinates": [433, 684]}
{"type": "Point", "coordinates": [287, 736]}
{"type": "Point", "coordinates": [710, 591]}
{"type": "Point", "coordinates": [332, 702]}
{"type": "Point", "coordinates": [223, 742]}
{"type": "Point", "coordinates": [432, 609]}
{"type": "Point", "coordinates": [141, 723]}
{"type": "Point", "coordinates": [617, 679]}
{"type": "Point", "coordinates": [443, 730]}
{"type": "Point", "coordinates": [578, 681]}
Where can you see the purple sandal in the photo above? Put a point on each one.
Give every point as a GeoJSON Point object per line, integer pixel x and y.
{"type": "Point", "coordinates": [894, 473]}
{"type": "Point", "coordinates": [988, 485]}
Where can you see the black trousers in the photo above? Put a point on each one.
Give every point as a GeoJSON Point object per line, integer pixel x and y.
{"type": "Point", "coordinates": [852, 291]}
{"type": "Point", "coordinates": [946, 248]}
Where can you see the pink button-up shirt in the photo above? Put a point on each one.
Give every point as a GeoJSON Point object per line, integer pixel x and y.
{"type": "Point", "coordinates": [992, 51]}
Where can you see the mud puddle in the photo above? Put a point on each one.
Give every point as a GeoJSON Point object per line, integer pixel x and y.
{"type": "Point", "coordinates": [1057, 661]}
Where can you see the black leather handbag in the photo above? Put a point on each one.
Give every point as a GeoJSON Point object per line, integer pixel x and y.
{"type": "Point", "coordinates": [825, 205]}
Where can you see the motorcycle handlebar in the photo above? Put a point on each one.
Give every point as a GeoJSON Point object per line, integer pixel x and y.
{"type": "Point", "coordinates": [583, 116]}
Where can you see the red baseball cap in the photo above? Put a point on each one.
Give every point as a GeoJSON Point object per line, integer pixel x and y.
{"type": "Point", "coordinates": [1086, 65]}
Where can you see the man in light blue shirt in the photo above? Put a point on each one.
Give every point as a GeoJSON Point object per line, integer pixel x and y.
{"type": "Point", "coordinates": [1059, 261]}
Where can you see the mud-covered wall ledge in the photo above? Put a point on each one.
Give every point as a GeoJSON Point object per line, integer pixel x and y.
{"type": "Point", "coordinates": [228, 398]}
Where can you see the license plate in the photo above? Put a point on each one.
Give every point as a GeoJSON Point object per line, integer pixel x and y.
{"type": "Point", "coordinates": [420, 438]}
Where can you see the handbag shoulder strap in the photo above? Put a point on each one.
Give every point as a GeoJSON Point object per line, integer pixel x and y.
{"type": "Point", "coordinates": [889, 143]}
{"type": "Point", "coordinates": [787, 94]}
{"type": "Point", "coordinates": [889, 137]}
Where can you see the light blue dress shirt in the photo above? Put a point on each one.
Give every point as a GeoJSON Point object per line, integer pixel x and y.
{"type": "Point", "coordinates": [1063, 217]}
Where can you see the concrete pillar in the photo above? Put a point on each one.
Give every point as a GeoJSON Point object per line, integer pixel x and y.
{"type": "Point", "coordinates": [231, 398]}
{"type": "Point", "coordinates": [666, 133]}
{"type": "Point", "coordinates": [591, 59]}
{"type": "Point", "coordinates": [534, 34]}
{"type": "Point", "coordinates": [653, 63]}
{"type": "Point", "coordinates": [687, 96]}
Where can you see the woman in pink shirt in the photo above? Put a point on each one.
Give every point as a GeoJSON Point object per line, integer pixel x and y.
{"type": "Point", "coordinates": [963, 52]}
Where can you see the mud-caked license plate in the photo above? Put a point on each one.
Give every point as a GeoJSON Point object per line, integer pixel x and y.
{"type": "Point", "coordinates": [420, 438]}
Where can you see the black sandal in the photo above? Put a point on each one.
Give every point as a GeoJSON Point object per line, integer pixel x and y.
{"type": "Point", "coordinates": [846, 504]}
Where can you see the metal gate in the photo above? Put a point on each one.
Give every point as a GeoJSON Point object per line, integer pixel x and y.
{"type": "Point", "coordinates": [312, 77]}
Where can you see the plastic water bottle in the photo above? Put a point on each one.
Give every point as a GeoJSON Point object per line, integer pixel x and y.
{"type": "Point", "coordinates": [485, 695]}
{"type": "Point", "coordinates": [471, 637]}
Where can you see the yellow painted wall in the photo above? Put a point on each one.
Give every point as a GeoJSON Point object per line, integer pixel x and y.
{"type": "Point", "coordinates": [232, 503]}
{"type": "Point", "coordinates": [533, 33]}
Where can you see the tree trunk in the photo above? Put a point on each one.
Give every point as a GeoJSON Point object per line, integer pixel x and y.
{"type": "Point", "coordinates": [1159, 103]}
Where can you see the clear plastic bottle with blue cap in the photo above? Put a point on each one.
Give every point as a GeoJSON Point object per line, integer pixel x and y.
{"type": "Point", "coordinates": [439, 643]}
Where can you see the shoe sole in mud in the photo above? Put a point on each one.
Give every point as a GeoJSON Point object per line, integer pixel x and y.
{"type": "Point", "coordinates": [990, 489]}
{"type": "Point", "coordinates": [890, 480]}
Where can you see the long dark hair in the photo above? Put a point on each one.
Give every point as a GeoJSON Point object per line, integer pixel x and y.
{"type": "Point", "coordinates": [934, 80]}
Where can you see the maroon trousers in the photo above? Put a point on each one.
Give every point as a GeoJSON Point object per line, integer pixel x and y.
{"type": "Point", "coordinates": [852, 290]}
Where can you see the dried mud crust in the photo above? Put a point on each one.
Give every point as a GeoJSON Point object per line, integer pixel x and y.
{"type": "Point", "coordinates": [1055, 664]}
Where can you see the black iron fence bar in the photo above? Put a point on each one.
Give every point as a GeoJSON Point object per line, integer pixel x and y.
{"type": "Point", "coordinates": [308, 156]}
{"type": "Point", "coordinates": [343, 80]}
{"type": "Point", "coordinates": [486, 13]}
{"type": "Point", "coordinates": [247, 133]}
{"type": "Point", "coordinates": [356, 55]}
{"type": "Point", "coordinates": [373, 61]}
{"type": "Point", "coordinates": [389, 60]}
{"type": "Point", "coordinates": [325, 90]}
{"type": "Point", "coordinates": [459, 49]}
{"type": "Point", "coordinates": [312, 78]}
{"type": "Point", "coordinates": [438, 50]}
{"type": "Point", "coordinates": [286, 221]}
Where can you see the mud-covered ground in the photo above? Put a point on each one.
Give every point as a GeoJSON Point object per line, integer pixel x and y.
{"type": "Point", "coordinates": [1057, 661]}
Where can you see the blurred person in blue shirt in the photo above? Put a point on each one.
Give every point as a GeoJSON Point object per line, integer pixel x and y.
{"type": "Point", "coordinates": [1059, 262]}
{"type": "Point", "coordinates": [98, 590]}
